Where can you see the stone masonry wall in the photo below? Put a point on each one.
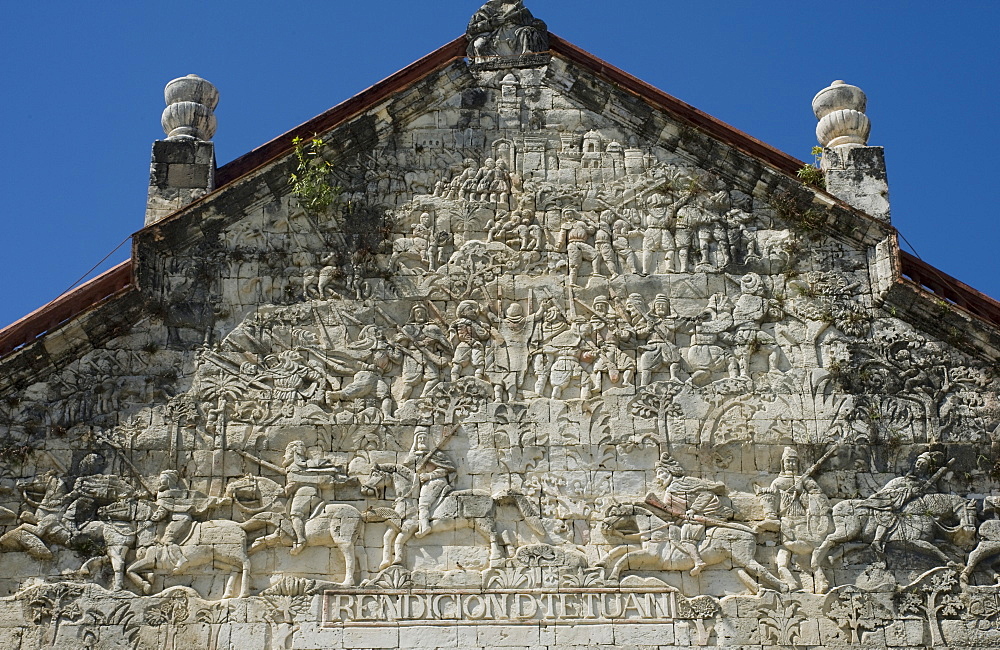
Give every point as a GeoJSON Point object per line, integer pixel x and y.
{"type": "Point", "coordinates": [554, 370]}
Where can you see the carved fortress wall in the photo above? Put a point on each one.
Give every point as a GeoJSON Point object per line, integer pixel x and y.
{"type": "Point", "coordinates": [554, 370]}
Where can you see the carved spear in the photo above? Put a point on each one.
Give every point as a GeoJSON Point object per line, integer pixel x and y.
{"type": "Point", "coordinates": [426, 457]}
{"type": "Point", "coordinates": [797, 489]}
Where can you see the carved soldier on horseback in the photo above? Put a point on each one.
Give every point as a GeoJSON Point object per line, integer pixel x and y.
{"type": "Point", "coordinates": [694, 502]}
{"type": "Point", "coordinates": [886, 505]}
{"type": "Point", "coordinates": [434, 470]}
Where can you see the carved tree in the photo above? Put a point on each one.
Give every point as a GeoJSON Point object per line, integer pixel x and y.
{"type": "Point", "coordinates": [656, 401]}
{"type": "Point", "coordinates": [54, 604]}
{"type": "Point", "coordinates": [856, 611]}
{"type": "Point", "coordinates": [169, 612]}
{"type": "Point", "coordinates": [933, 595]}
{"type": "Point", "coordinates": [214, 617]}
{"type": "Point", "coordinates": [781, 620]}
{"type": "Point", "coordinates": [457, 399]}
{"type": "Point", "coordinates": [703, 610]}
{"type": "Point", "coordinates": [120, 620]}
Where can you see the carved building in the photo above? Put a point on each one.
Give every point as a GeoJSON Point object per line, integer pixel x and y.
{"type": "Point", "coordinates": [511, 350]}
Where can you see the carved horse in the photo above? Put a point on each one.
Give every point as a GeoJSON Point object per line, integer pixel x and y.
{"type": "Point", "coordinates": [45, 526]}
{"type": "Point", "coordinates": [116, 533]}
{"type": "Point", "coordinates": [220, 542]}
{"type": "Point", "coordinates": [988, 547]}
{"type": "Point", "coordinates": [917, 525]}
{"type": "Point", "coordinates": [332, 524]}
{"type": "Point", "coordinates": [456, 510]}
{"type": "Point", "coordinates": [659, 551]}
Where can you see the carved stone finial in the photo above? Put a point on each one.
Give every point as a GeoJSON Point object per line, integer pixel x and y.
{"type": "Point", "coordinates": [189, 113]}
{"type": "Point", "coordinates": [505, 29]}
{"type": "Point", "coordinates": [840, 109]}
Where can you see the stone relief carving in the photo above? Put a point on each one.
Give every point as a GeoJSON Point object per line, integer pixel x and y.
{"type": "Point", "coordinates": [578, 381]}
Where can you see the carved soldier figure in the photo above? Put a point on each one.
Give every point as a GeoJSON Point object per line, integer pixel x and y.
{"type": "Point", "coordinates": [515, 329]}
{"type": "Point", "coordinates": [695, 501]}
{"type": "Point", "coordinates": [94, 489]}
{"type": "Point", "coordinates": [659, 234]}
{"type": "Point", "coordinates": [796, 506]}
{"type": "Point", "coordinates": [502, 229]}
{"type": "Point", "coordinates": [659, 350]}
{"type": "Point", "coordinates": [610, 333]}
{"type": "Point", "coordinates": [706, 355]}
{"type": "Point", "coordinates": [501, 185]}
{"type": "Point", "coordinates": [424, 230]}
{"type": "Point", "coordinates": [422, 350]}
{"type": "Point", "coordinates": [751, 310]}
{"type": "Point", "coordinates": [703, 220]}
{"type": "Point", "coordinates": [470, 335]}
{"type": "Point", "coordinates": [604, 242]}
{"type": "Point", "coordinates": [575, 233]}
{"type": "Point", "coordinates": [564, 353]}
{"type": "Point", "coordinates": [627, 259]}
{"type": "Point", "coordinates": [292, 378]}
{"type": "Point", "coordinates": [433, 469]}
{"type": "Point", "coordinates": [553, 324]}
{"type": "Point", "coordinates": [484, 180]}
{"type": "Point", "coordinates": [886, 505]}
{"type": "Point", "coordinates": [304, 478]}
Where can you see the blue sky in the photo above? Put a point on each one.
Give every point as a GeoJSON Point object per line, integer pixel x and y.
{"type": "Point", "coordinates": [83, 84]}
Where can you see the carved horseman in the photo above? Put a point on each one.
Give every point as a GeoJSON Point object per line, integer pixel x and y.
{"type": "Point", "coordinates": [887, 504]}
{"type": "Point", "coordinates": [46, 525]}
{"type": "Point", "coordinates": [304, 478]}
{"type": "Point", "coordinates": [796, 506]}
{"type": "Point", "coordinates": [93, 490]}
{"type": "Point", "coordinates": [434, 472]}
{"type": "Point", "coordinates": [695, 502]}
{"type": "Point", "coordinates": [179, 506]}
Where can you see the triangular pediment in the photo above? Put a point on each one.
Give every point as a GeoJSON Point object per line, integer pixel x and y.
{"type": "Point", "coordinates": [509, 341]}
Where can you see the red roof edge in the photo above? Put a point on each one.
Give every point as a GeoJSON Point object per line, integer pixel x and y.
{"type": "Point", "coordinates": [105, 286]}
{"type": "Point", "coordinates": [715, 127]}
{"type": "Point", "coordinates": [341, 112]}
{"type": "Point", "coordinates": [953, 291]}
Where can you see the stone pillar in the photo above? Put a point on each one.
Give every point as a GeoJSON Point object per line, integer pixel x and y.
{"type": "Point", "coordinates": [183, 165]}
{"type": "Point", "coordinates": [854, 172]}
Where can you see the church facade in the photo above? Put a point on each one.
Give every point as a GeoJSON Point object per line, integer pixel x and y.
{"type": "Point", "coordinates": [511, 350]}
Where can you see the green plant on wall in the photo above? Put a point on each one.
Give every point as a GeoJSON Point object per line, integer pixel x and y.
{"type": "Point", "coordinates": [311, 181]}
{"type": "Point", "coordinates": [811, 174]}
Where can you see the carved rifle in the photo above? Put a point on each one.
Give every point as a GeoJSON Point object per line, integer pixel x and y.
{"type": "Point", "coordinates": [800, 481]}
{"type": "Point", "coordinates": [932, 481]}
{"type": "Point", "coordinates": [696, 519]}
{"type": "Point", "coordinates": [427, 456]}
{"type": "Point", "coordinates": [262, 462]}
{"type": "Point", "coordinates": [218, 361]}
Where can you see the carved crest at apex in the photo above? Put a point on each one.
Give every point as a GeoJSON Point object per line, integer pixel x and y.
{"type": "Point", "coordinates": [505, 31]}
